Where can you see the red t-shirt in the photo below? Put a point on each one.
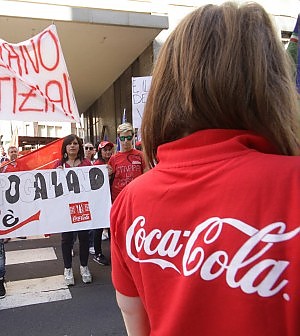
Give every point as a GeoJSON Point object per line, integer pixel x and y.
{"type": "Point", "coordinates": [126, 167]}
{"type": "Point", "coordinates": [99, 162]}
{"type": "Point", "coordinates": [209, 238]}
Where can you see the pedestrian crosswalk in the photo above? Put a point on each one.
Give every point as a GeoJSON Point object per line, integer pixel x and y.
{"type": "Point", "coordinates": [33, 291]}
{"type": "Point", "coordinates": [26, 292]}
{"type": "Point", "coordinates": [30, 255]}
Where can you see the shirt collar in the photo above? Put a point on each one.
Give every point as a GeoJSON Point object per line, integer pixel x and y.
{"type": "Point", "coordinates": [213, 144]}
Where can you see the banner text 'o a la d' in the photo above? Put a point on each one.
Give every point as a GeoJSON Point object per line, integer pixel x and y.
{"type": "Point", "coordinates": [54, 200]}
{"type": "Point", "coordinates": [33, 185]}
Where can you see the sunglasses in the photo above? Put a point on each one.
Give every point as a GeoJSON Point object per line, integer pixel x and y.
{"type": "Point", "coordinates": [128, 137]}
{"type": "Point", "coordinates": [88, 148]}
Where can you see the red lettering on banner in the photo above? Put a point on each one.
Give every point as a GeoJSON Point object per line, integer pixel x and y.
{"type": "Point", "coordinates": [14, 94]}
{"type": "Point", "coordinates": [24, 59]}
{"type": "Point", "coordinates": [46, 102]}
{"type": "Point", "coordinates": [26, 97]}
{"type": "Point", "coordinates": [35, 65]}
{"type": "Point", "coordinates": [18, 58]}
{"type": "Point", "coordinates": [21, 97]}
{"type": "Point", "coordinates": [37, 88]}
{"type": "Point", "coordinates": [67, 91]}
{"type": "Point", "coordinates": [2, 65]}
{"type": "Point", "coordinates": [34, 77]}
{"type": "Point", "coordinates": [60, 93]}
{"type": "Point", "coordinates": [2, 79]}
{"type": "Point", "coordinates": [55, 65]}
{"type": "Point", "coordinates": [12, 55]}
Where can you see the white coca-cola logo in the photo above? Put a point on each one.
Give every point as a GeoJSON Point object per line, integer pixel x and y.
{"type": "Point", "coordinates": [161, 248]}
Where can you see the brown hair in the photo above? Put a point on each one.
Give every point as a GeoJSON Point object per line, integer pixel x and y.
{"type": "Point", "coordinates": [222, 67]}
{"type": "Point", "coordinates": [67, 140]}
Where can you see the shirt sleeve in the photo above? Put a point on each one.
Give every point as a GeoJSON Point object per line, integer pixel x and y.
{"type": "Point", "coordinates": [111, 162]}
{"type": "Point", "coordinates": [57, 164]}
{"type": "Point", "coordinates": [121, 275]}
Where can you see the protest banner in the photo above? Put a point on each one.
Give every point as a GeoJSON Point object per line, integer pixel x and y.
{"type": "Point", "coordinates": [34, 80]}
{"type": "Point", "coordinates": [55, 200]}
{"type": "Point", "coordinates": [140, 90]}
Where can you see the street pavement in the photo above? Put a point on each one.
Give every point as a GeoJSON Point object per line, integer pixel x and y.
{"type": "Point", "coordinates": [39, 304]}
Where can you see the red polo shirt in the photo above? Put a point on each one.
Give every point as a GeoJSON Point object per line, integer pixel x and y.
{"type": "Point", "coordinates": [209, 238]}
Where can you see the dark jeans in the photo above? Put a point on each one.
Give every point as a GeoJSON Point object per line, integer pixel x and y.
{"type": "Point", "coordinates": [2, 259]}
{"type": "Point", "coordinates": [98, 241]}
{"type": "Point", "coordinates": [91, 238]}
{"type": "Point", "coordinates": [67, 245]}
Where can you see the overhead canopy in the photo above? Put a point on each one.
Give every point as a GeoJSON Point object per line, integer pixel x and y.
{"type": "Point", "coordinates": [98, 44]}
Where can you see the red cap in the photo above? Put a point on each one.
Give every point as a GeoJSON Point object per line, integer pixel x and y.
{"type": "Point", "coordinates": [102, 144]}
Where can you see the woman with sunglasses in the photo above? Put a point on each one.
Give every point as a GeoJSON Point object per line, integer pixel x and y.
{"type": "Point", "coordinates": [72, 155]}
{"type": "Point", "coordinates": [127, 164]}
{"type": "Point", "coordinates": [89, 152]}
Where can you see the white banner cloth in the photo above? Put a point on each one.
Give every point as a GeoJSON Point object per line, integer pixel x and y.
{"type": "Point", "coordinates": [140, 90]}
{"type": "Point", "coordinates": [56, 200]}
{"type": "Point", "coordinates": [34, 80]}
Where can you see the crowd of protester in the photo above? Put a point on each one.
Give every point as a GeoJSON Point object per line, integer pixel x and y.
{"type": "Point", "coordinates": [207, 241]}
{"type": "Point", "coordinates": [75, 153]}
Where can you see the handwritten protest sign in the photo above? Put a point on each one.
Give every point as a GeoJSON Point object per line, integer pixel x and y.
{"type": "Point", "coordinates": [140, 90]}
{"type": "Point", "coordinates": [56, 200]}
{"type": "Point", "coordinates": [34, 81]}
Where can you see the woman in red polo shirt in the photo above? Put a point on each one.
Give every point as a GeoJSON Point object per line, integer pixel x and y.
{"type": "Point", "coordinates": [207, 242]}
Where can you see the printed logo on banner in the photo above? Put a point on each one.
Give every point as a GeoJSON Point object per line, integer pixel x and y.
{"type": "Point", "coordinates": [12, 222]}
{"type": "Point", "coordinates": [80, 212]}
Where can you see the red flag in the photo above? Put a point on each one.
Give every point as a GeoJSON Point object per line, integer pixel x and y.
{"type": "Point", "coordinates": [42, 158]}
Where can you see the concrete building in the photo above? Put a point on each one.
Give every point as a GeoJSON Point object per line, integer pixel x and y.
{"type": "Point", "coordinates": [105, 44]}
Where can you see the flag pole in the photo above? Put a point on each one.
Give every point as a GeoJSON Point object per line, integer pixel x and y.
{"type": "Point", "coordinates": [124, 119]}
